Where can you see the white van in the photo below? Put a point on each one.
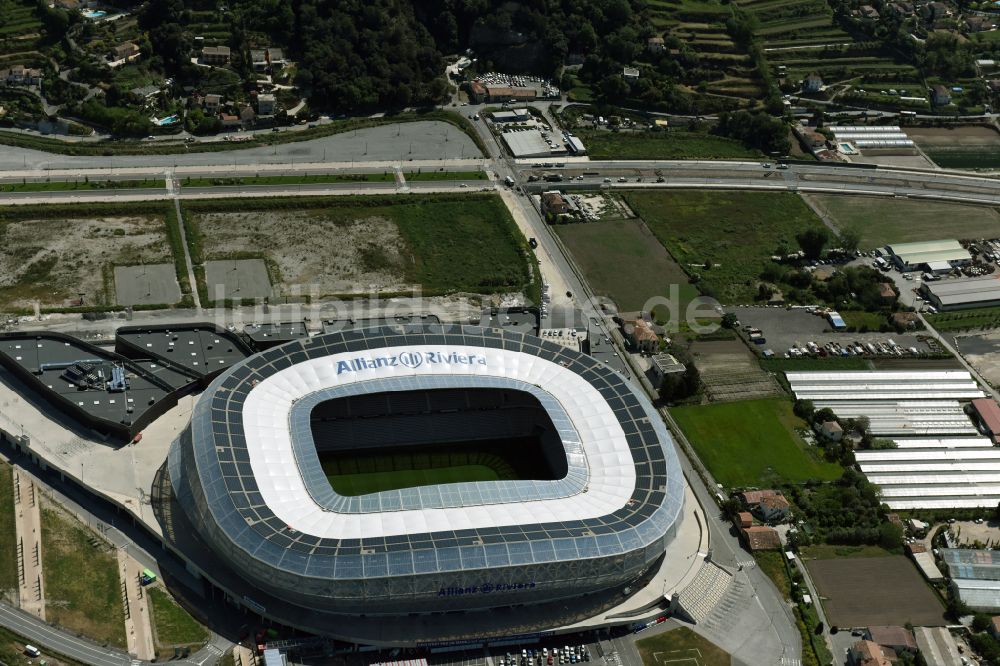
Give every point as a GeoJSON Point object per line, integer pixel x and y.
{"type": "Point", "coordinates": [32, 651]}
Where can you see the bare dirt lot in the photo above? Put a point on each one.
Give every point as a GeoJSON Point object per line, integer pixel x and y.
{"type": "Point", "coordinates": [864, 591]}
{"type": "Point", "coordinates": [54, 260]}
{"type": "Point", "coordinates": [959, 136]}
{"type": "Point", "coordinates": [730, 372]}
{"type": "Point", "coordinates": [309, 248]}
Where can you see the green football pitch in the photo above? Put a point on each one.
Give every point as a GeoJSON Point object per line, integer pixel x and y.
{"type": "Point", "coordinates": [375, 482]}
{"type": "Point", "coordinates": [352, 475]}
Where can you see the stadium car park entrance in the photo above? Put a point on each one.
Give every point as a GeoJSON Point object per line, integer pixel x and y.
{"type": "Point", "coordinates": [402, 439]}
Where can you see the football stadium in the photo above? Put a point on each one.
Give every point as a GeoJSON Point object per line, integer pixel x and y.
{"type": "Point", "coordinates": [425, 469]}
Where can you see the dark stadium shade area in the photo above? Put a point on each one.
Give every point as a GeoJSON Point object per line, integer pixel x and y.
{"type": "Point", "coordinates": [410, 466]}
{"type": "Point", "coordinates": [392, 440]}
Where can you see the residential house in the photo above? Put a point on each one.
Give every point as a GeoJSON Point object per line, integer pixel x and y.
{"type": "Point", "coordinates": [476, 91]}
{"type": "Point", "coordinates": [812, 83]}
{"type": "Point", "coordinates": [212, 103]}
{"type": "Point", "coordinates": [752, 498]}
{"type": "Point", "coordinates": [773, 509]}
{"type": "Point", "coordinates": [935, 11]}
{"type": "Point", "coordinates": [905, 321]}
{"type": "Point", "coordinates": [664, 366]}
{"type": "Point", "coordinates": [215, 55]}
{"type": "Point", "coordinates": [869, 13]}
{"type": "Point", "coordinates": [940, 96]}
{"type": "Point", "coordinates": [995, 627]}
{"type": "Point", "coordinates": [994, 85]}
{"type": "Point", "coordinates": [760, 537]}
{"type": "Point", "coordinates": [886, 293]}
{"type": "Point", "coordinates": [868, 653]}
{"type": "Point", "coordinates": [247, 115]}
{"type": "Point", "coordinates": [979, 23]}
{"type": "Point", "coordinates": [275, 57]}
{"type": "Point", "coordinates": [901, 10]}
{"type": "Point", "coordinates": [640, 335]}
{"type": "Point", "coordinates": [896, 638]}
{"type": "Point", "coordinates": [258, 59]}
{"type": "Point", "coordinates": [744, 519]}
{"type": "Point", "coordinates": [555, 203]}
{"type": "Point", "coordinates": [126, 51]}
{"type": "Point", "coordinates": [143, 94]}
{"type": "Point", "coordinates": [266, 104]}
{"type": "Point", "coordinates": [229, 121]}
{"type": "Point", "coordinates": [831, 431]}
{"type": "Point", "coordinates": [655, 44]}
{"type": "Point", "coordinates": [630, 73]}
{"type": "Point", "coordinates": [19, 75]}
{"type": "Point", "coordinates": [811, 138]}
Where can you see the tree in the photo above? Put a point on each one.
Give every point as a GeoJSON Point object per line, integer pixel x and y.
{"type": "Point", "coordinates": [981, 622]}
{"type": "Point", "coordinates": [804, 409]}
{"type": "Point", "coordinates": [890, 536]}
{"type": "Point", "coordinates": [729, 320]}
{"type": "Point", "coordinates": [850, 239]}
{"type": "Point", "coordinates": [812, 241]}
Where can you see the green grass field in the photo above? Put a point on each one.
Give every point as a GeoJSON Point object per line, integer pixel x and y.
{"type": "Point", "coordinates": [966, 158]}
{"type": "Point", "coordinates": [752, 443]}
{"type": "Point", "coordinates": [772, 563]}
{"type": "Point", "coordinates": [737, 231]}
{"type": "Point", "coordinates": [824, 551]}
{"type": "Point", "coordinates": [624, 261]}
{"type": "Point", "coordinates": [8, 533]}
{"type": "Point", "coordinates": [173, 625]}
{"type": "Point", "coordinates": [887, 220]}
{"type": "Point", "coordinates": [83, 590]}
{"type": "Point", "coordinates": [676, 144]}
{"type": "Point", "coordinates": [352, 475]}
{"type": "Point", "coordinates": [375, 482]}
{"type": "Point", "coordinates": [59, 186]}
{"type": "Point", "coordinates": [965, 320]}
{"type": "Point", "coordinates": [681, 647]}
{"type": "Point", "coordinates": [302, 179]}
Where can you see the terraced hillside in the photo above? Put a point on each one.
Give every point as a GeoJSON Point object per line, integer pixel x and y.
{"type": "Point", "coordinates": [19, 23]}
{"type": "Point", "coordinates": [803, 37]}
{"type": "Point", "coordinates": [702, 27]}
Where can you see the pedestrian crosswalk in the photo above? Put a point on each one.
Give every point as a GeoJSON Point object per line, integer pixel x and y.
{"type": "Point", "coordinates": [788, 661]}
{"type": "Point", "coordinates": [746, 564]}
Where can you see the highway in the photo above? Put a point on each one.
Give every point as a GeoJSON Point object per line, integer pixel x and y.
{"type": "Point", "coordinates": [304, 158]}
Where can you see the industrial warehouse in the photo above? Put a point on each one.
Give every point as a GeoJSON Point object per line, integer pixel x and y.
{"type": "Point", "coordinates": [979, 292]}
{"type": "Point", "coordinates": [583, 495]}
{"type": "Point", "coordinates": [932, 256]}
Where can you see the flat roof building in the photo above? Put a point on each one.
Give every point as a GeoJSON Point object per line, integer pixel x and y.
{"type": "Point", "coordinates": [916, 256]}
{"type": "Point", "coordinates": [937, 646]}
{"type": "Point", "coordinates": [987, 411]}
{"type": "Point", "coordinates": [978, 292]}
{"type": "Point", "coordinates": [265, 336]}
{"type": "Point", "coordinates": [527, 143]}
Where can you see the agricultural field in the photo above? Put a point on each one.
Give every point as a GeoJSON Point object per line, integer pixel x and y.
{"type": "Point", "coordinates": [53, 254]}
{"type": "Point", "coordinates": [672, 145]}
{"type": "Point", "coordinates": [752, 443]}
{"type": "Point", "coordinates": [737, 232]}
{"type": "Point", "coordinates": [681, 646]}
{"type": "Point", "coordinates": [350, 245]}
{"type": "Point", "coordinates": [864, 591]}
{"type": "Point", "coordinates": [701, 25]}
{"type": "Point", "coordinates": [19, 23]}
{"type": "Point", "coordinates": [960, 147]}
{"type": "Point", "coordinates": [83, 590]}
{"type": "Point", "coordinates": [886, 220]}
{"type": "Point", "coordinates": [623, 261]}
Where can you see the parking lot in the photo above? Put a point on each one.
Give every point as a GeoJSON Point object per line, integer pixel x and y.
{"type": "Point", "coordinates": [784, 329]}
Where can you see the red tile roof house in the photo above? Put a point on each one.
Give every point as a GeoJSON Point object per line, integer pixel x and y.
{"type": "Point", "coordinates": [773, 509]}
{"type": "Point", "coordinates": [761, 537]}
{"type": "Point", "coordinates": [987, 412]}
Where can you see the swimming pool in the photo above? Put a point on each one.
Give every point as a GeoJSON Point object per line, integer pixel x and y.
{"type": "Point", "coordinates": [93, 13]}
{"type": "Point", "coordinates": [169, 120]}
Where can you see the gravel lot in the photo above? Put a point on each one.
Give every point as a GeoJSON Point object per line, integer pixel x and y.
{"type": "Point", "coordinates": [783, 328]}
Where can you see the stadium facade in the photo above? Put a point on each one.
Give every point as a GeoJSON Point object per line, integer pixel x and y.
{"type": "Point", "coordinates": [247, 472]}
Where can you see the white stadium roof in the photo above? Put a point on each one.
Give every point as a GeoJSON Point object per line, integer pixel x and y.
{"type": "Point", "coordinates": [611, 468]}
